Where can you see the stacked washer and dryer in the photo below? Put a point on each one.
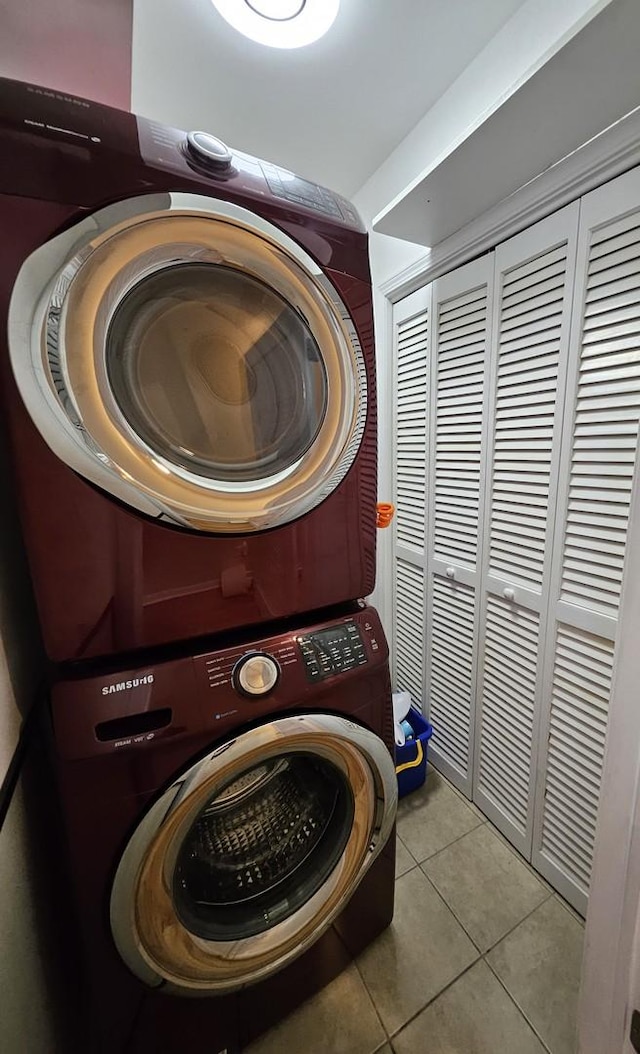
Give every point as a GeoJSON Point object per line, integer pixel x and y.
{"type": "Point", "coordinates": [189, 395]}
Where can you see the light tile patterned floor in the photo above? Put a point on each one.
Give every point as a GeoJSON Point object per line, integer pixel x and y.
{"type": "Point", "coordinates": [481, 958]}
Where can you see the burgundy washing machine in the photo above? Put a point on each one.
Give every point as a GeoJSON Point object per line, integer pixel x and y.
{"type": "Point", "coordinates": [189, 383]}
{"type": "Point", "coordinates": [230, 819]}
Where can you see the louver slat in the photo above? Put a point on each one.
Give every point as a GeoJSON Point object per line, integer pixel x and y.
{"type": "Point", "coordinates": [452, 670]}
{"type": "Point", "coordinates": [409, 629]}
{"type": "Point", "coordinates": [460, 371]}
{"type": "Point", "coordinates": [578, 723]}
{"type": "Point", "coordinates": [607, 413]}
{"type": "Point", "coordinates": [507, 701]}
{"type": "Point", "coordinates": [411, 405]}
{"type": "Point", "coordinates": [526, 388]}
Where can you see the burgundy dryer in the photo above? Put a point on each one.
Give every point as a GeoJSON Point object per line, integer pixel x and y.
{"type": "Point", "coordinates": [230, 818]}
{"type": "Point", "coordinates": [189, 383]}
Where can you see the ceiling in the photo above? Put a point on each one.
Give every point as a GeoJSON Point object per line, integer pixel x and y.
{"type": "Point", "coordinates": [591, 83]}
{"type": "Point", "coordinates": [332, 111]}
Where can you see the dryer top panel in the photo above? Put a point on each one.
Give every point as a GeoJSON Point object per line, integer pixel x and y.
{"type": "Point", "coordinates": [71, 150]}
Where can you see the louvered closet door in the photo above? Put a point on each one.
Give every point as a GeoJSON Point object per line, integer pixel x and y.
{"type": "Point", "coordinates": [460, 345]}
{"type": "Point", "coordinates": [534, 282]}
{"type": "Point", "coordinates": [599, 451]}
{"type": "Point", "coordinates": [411, 356]}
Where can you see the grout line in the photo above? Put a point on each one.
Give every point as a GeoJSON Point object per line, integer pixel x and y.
{"type": "Point", "coordinates": [373, 1003]}
{"type": "Point", "coordinates": [481, 957]}
{"type": "Point", "coordinates": [517, 1006]}
{"type": "Point", "coordinates": [432, 855]}
{"type": "Point", "coordinates": [407, 872]}
{"type": "Point", "coordinates": [505, 841]}
{"type": "Point", "coordinates": [523, 919]}
{"type": "Point", "coordinates": [405, 846]}
{"type": "Point", "coordinates": [462, 925]}
{"type": "Point", "coordinates": [449, 908]}
{"type": "Point", "coordinates": [446, 988]}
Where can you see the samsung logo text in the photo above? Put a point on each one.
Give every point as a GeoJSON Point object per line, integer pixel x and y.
{"type": "Point", "coordinates": [124, 686]}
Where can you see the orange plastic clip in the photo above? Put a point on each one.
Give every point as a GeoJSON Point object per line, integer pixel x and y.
{"type": "Point", "coordinates": [384, 513]}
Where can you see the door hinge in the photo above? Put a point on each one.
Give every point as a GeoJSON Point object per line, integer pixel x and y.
{"type": "Point", "coordinates": [634, 1034]}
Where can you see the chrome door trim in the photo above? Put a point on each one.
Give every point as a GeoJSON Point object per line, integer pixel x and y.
{"type": "Point", "coordinates": [221, 966]}
{"type": "Point", "coordinates": [39, 316]}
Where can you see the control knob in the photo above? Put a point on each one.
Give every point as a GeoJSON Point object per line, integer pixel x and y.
{"type": "Point", "coordinates": [208, 151]}
{"type": "Point", "coordinates": [255, 674]}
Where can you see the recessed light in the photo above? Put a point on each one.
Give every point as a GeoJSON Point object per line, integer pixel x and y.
{"type": "Point", "coordinates": [280, 23]}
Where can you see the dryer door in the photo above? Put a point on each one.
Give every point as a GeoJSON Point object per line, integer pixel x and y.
{"type": "Point", "coordinates": [192, 360]}
{"type": "Point", "coordinates": [245, 861]}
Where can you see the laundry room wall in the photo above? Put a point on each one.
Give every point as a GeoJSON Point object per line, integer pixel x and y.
{"type": "Point", "coordinates": [81, 47]}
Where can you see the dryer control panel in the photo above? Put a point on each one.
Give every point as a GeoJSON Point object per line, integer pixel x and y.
{"type": "Point", "coordinates": [333, 650]}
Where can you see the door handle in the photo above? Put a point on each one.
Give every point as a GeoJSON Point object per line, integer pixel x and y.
{"type": "Point", "coordinates": [509, 594]}
{"type": "Point", "coordinates": [450, 572]}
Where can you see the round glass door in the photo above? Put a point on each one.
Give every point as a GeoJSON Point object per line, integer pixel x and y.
{"type": "Point", "coordinates": [192, 360]}
{"type": "Point", "coordinates": [245, 861]}
{"type": "Point", "coordinates": [262, 847]}
{"type": "Point", "coordinates": [217, 373]}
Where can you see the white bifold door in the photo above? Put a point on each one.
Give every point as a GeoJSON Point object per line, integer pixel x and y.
{"type": "Point", "coordinates": [457, 468]}
{"type": "Point", "coordinates": [411, 342]}
{"type": "Point", "coordinates": [527, 368]}
{"type": "Point", "coordinates": [602, 414]}
{"type": "Point", "coordinates": [517, 412]}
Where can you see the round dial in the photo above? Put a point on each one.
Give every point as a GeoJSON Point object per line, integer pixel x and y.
{"type": "Point", "coordinates": [256, 674]}
{"type": "Point", "coordinates": [208, 150]}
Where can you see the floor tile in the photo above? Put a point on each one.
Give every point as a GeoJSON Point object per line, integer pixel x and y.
{"type": "Point", "coordinates": [486, 886]}
{"type": "Point", "coordinates": [340, 1019]}
{"type": "Point", "coordinates": [422, 951]}
{"type": "Point", "coordinates": [404, 859]}
{"type": "Point", "coordinates": [470, 805]}
{"type": "Point", "coordinates": [433, 817]}
{"type": "Point", "coordinates": [525, 863]}
{"type": "Point", "coordinates": [474, 1016]}
{"type": "Point", "coordinates": [539, 964]}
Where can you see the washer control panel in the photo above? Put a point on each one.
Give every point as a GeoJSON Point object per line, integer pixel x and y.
{"type": "Point", "coordinates": [255, 674]}
{"type": "Point", "coordinates": [327, 652]}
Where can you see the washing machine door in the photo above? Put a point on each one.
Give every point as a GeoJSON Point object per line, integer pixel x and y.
{"type": "Point", "coordinates": [246, 859]}
{"type": "Point", "coordinates": [192, 360]}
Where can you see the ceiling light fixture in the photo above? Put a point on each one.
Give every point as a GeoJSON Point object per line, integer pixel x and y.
{"type": "Point", "coordinates": [280, 23]}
